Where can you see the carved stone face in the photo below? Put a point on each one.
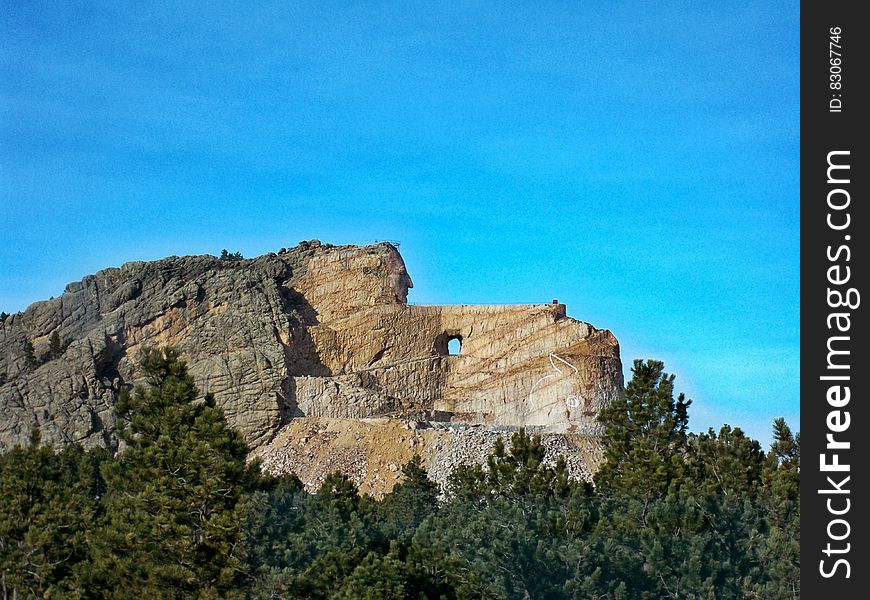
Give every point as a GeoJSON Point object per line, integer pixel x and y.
{"type": "Point", "coordinates": [400, 281]}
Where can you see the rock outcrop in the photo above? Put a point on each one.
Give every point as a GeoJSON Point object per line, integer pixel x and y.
{"type": "Point", "coordinates": [317, 331]}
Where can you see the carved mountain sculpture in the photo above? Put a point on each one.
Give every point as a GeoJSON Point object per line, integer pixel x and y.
{"type": "Point", "coordinates": [315, 331]}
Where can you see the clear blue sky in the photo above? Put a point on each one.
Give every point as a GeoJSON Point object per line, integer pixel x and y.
{"type": "Point", "coordinates": [636, 160]}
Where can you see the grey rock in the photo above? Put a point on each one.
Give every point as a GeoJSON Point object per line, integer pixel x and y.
{"type": "Point", "coordinates": [223, 315]}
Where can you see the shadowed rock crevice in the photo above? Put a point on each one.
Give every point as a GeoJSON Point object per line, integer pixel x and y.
{"type": "Point", "coordinates": [296, 304]}
{"type": "Point", "coordinates": [288, 408]}
{"type": "Point", "coordinates": [301, 356]}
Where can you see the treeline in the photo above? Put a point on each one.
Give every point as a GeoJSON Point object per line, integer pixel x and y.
{"type": "Point", "coordinates": [179, 513]}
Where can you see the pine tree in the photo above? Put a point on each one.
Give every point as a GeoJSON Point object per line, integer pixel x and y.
{"type": "Point", "coordinates": [728, 462]}
{"type": "Point", "coordinates": [49, 502]}
{"type": "Point", "coordinates": [644, 434]}
{"type": "Point", "coordinates": [29, 354]}
{"type": "Point", "coordinates": [55, 347]}
{"type": "Point", "coordinates": [226, 255]}
{"type": "Point", "coordinates": [375, 578]}
{"type": "Point", "coordinates": [338, 533]}
{"type": "Point", "coordinates": [404, 508]}
{"type": "Point", "coordinates": [780, 498]}
{"type": "Point", "coordinates": [514, 521]}
{"type": "Point", "coordinates": [178, 497]}
{"type": "Point", "coordinates": [516, 473]}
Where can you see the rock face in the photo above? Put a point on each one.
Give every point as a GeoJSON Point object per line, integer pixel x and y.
{"type": "Point", "coordinates": [314, 331]}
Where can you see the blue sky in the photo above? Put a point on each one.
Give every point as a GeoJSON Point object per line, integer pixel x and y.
{"type": "Point", "coordinates": [636, 160]}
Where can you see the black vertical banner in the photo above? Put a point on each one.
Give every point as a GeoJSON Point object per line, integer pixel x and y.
{"type": "Point", "coordinates": [835, 222]}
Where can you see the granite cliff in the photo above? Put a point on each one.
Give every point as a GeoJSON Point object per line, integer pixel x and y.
{"type": "Point", "coordinates": [310, 337]}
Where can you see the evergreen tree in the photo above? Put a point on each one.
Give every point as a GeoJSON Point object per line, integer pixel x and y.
{"type": "Point", "coordinates": [522, 470]}
{"type": "Point", "coordinates": [178, 497]}
{"type": "Point", "coordinates": [49, 503]}
{"type": "Point", "coordinates": [226, 255]}
{"type": "Point", "coordinates": [780, 498]}
{"type": "Point", "coordinates": [338, 534]}
{"type": "Point", "coordinates": [516, 522]}
{"type": "Point", "coordinates": [409, 503]}
{"type": "Point", "coordinates": [728, 462]}
{"type": "Point", "coordinates": [377, 577]}
{"type": "Point", "coordinates": [29, 354]}
{"type": "Point", "coordinates": [55, 348]}
{"type": "Point", "coordinates": [515, 473]}
{"type": "Point", "coordinates": [644, 434]}
{"type": "Point", "coordinates": [276, 516]}
{"type": "Point", "coordinates": [279, 549]}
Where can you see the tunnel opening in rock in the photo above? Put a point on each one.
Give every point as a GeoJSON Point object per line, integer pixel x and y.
{"type": "Point", "coordinates": [448, 343]}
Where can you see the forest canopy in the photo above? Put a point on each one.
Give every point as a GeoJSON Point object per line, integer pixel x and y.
{"type": "Point", "coordinates": [182, 513]}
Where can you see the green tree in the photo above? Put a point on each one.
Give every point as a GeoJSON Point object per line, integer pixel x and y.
{"type": "Point", "coordinates": [375, 578]}
{"type": "Point", "coordinates": [728, 462]}
{"type": "Point", "coordinates": [178, 497]}
{"type": "Point", "coordinates": [279, 550]}
{"type": "Point", "coordinates": [522, 471]}
{"type": "Point", "coordinates": [49, 504]}
{"type": "Point", "coordinates": [338, 533]}
{"type": "Point", "coordinates": [409, 503]}
{"type": "Point", "coordinates": [55, 348]}
{"type": "Point", "coordinates": [780, 498]}
{"type": "Point", "coordinates": [644, 435]}
{"type": "Point", "coordinates": [230, 256]}
{"type": "Point", "coordinates": [29, 354]}
{"type": "Point", "coordinates": [276, 516]}
{"type": "Point", "coordinates": [516, 473]}
{"type": "Point", "coordinates": [517, 522]}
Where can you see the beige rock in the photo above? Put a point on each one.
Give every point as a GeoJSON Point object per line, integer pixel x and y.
{"type": "Point", "coordinates": [518, 364]}
{"type": "Point", "coordinates": [317, 331]}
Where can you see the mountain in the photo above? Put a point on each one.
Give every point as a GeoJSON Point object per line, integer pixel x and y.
{"type": "Point", "coordinates": [315, 339]}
